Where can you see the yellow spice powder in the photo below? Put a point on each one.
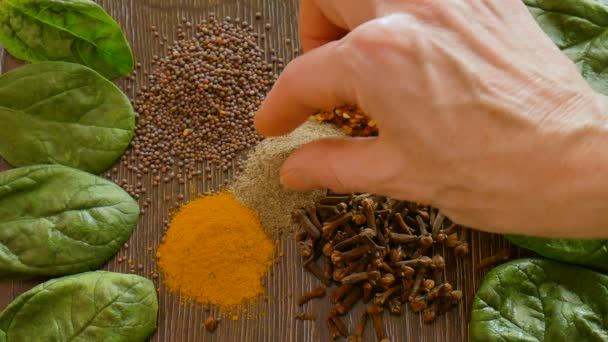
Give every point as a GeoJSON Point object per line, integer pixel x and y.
{"type": "Point", "coordinates": [216, 252]}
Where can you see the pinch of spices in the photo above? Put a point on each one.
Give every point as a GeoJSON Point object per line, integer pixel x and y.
{"type": "Point", "coordinates": [259, 185]}
{"type": "Point", "coordinates": [351, 119]}
{"type": "Point", "coordinates": [216, 252]}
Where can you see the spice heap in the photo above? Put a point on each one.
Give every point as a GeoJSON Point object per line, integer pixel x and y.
{"type": "Point", "coordinates": [215, 252]}
{"type": "Point", "coordinates": [351, 119]}
{"type": "Point", "coordinates": [201, 99]}
{"type": "Point", "coordinates": [378, 250]}
{"type": "Point", "coordinates": [259, 186]}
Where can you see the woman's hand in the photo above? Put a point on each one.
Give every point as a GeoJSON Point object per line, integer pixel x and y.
{"type": "Point", "coordinates": [479, 113]}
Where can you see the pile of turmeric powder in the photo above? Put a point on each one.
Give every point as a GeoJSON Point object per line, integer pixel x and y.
{"type": "Point", "coordinates": [351, 119]}
{"type": "Point", "coordinates": [216, 252]}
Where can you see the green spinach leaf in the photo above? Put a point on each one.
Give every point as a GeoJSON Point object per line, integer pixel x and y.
{"type": "Point", "coordinates": [56, 220]}
{"type": "Point", "coordinates": [540, 300]}
{"type": "Point", "coordinates": [591, 253]}
{"type": "Point", "coordinates": [63, 113]}
{"type": "Point", "coordinates": [77, 31]}
{"type": "Point", "coordinates": [92, 306]}
{"type": "Point", "coordinates": [580, 29]}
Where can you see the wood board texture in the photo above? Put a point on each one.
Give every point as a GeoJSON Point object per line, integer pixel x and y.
{"type": "Point", "coordinates": [270, 320]}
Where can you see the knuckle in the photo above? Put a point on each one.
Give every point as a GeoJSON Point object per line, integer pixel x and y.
{"type": "Point", "coordinates": [379, 39]}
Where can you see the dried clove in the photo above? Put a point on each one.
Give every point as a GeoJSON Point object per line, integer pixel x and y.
{"type": "Point", "coordinates": [430, 314]}
{"type": "Point", "coordinates": [359, 238]}
{"type": "Point", "coordinates": [361, 276]}
{"type": "Point", "coordinates": [394, 306]}
{"type": "Point", "coordinates": [381, 298]}
{"type": "Point", "coordinates": [439, 291]}
{"type": "Point", "coordinates": [462, 248]}
{"type": "Point", "coordinates": [339, 293]}
{"type": "Point", "coordinates": [375, 312]}
{"type": "Point", "coordinates": [451, 229]}
{"type": "Point", "coordinates": [333, 315]}
{"type": "Point", "coordinates": [357, 336]}
{"type": "Point", "coordinates": [317, 292]}
{"type": "Point", "coordinates": [417, 282]}
{"type": "Point", "coordinates": [299, 215]}
{"type": "Point", "coordinates": [418, 303]}
{"type": "Point", "coordinates": [327, 267]}
{"type": "Point", "coordinates": [404, 227]}
{"type": "Point", "coordinates": [350, 300]}
{"type": "Point", "coordinates": [387, 280]}
{"type": "Point", "coordinates": [437, 224]}
{"type": "Point", "coordinates": [338, 257]}
{"type": "Point", "coordinates": [438, 267]}
{"type": "Point", "coordinates": [328, 248]}
{"type": "Point", "coordinates": [306, 247]}
{"type": "Point", "coordinates": [403, 238]}
{"type": "Point", "coordinates": [359, 219]}
{"type": "Point", "coordinates": [314, 219]}
{"type": "Point", "coordinates": [428, 285]}
{"type": "Point", "coordinates": [329, 228]}
{"type": "Point", "coordinates": [334, 333]}
{"type": "Point", "coordinates": [340, 273]}
{"type": "Point", "coordinates": [379, 264]}
{"type": "Point", "coordinates": [367, 292]}
{"type": "Point", "coordinates": [396, 254]}
{"type": "Point", "coordinates": [313, 268]}
{"type": "Point", "coordinates": [423, 261]}
{"type": "Point", "coordinates": [450, 300]}
{"type": "Point", "coordinates": [426, 240]}
{"type": "Point", "coordinates": [368, 211]}
{"type": "Point", "coordinates": [497, 258]}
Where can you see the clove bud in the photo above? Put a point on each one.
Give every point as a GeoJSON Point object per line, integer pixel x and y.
{"type": "Point", "coordinates": [394, 306]}
{"type": "Point", "coordinates": [340, 292]}
{"type": "Point", "coordinates": [423, 261]}
{"type": "Point", "coordinates": [329, 228]}
{"type": "Point", "coordinates": [353, 297]}
{"type": "Point", "coordinates": [333, 315]}
{"type": "Point", "coordinates": [299, 215]}
{"type": "Point", "coordinates": [357, 336]}
{"type": "Point", "coordinates": [317, 292]}
{"type": "Point", "coordinates": [462, 248]}
{"type": "Point", "coordinates": [501, 256]}
{"type": "Point", "coordinates": [375, 312]}
{"type": "Point", "coordinates": [339, 257]}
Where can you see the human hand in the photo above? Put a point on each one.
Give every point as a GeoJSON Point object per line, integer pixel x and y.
{"type": "Point", "coordinates": [479, 113]}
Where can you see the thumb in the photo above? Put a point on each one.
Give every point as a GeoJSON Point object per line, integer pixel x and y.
{"type": "Point", "coordinates": [342, 165]}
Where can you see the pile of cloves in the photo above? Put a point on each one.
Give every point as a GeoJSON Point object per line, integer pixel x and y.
{"type": "Point", "coordinates": [377, 249]}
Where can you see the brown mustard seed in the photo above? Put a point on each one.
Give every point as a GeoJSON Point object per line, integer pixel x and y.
{"type": "Point", "coordinates": [210, 324]}
{"type": "Point", "coordinates": [201, 99]}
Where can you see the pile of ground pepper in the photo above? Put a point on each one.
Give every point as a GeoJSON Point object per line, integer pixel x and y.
{"type": "Point", "coordinates": [351, 119]}
{"type": "Point", "coordinates": [216, 252]}
{"type": "Point", "coordinates": [259, 185]}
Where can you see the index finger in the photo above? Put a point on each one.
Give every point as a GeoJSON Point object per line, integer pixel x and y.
{"type": "Point", "coordinates": [316, 80]}
{"type": "Point", "coordinates": [315, 28]}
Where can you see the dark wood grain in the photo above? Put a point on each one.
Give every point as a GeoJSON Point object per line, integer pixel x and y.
{"type": "Point", "coordinates": [270, 320]}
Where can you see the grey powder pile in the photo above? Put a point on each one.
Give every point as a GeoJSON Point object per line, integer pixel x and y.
{"type": "Point", "coordinates": [259, 186]}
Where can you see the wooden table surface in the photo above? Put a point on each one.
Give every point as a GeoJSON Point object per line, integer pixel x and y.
{"type": "Point", "coordinates": [270, 320]}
